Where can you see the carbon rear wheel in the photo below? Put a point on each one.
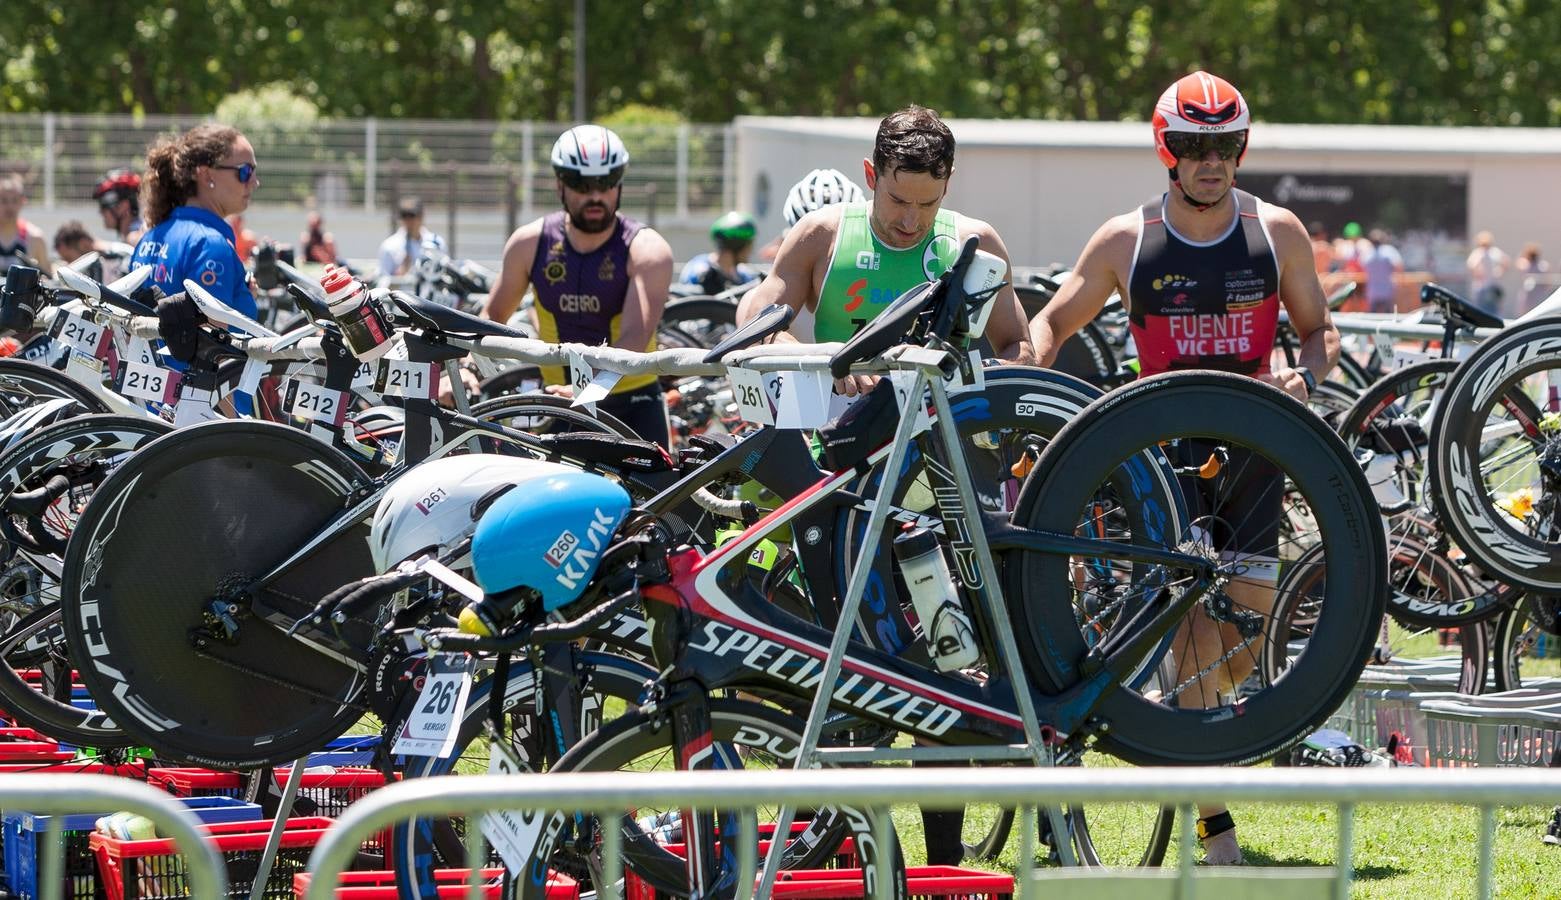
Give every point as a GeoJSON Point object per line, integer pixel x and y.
{"type": "Point", "coordinates": [163, 607]}
{"type": "Point", "coordinates": [35, 665]}
{"type": "Point", "coordinates": [1270, 482]}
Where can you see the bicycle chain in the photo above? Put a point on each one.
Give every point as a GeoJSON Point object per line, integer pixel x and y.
{"type": "Point", "coordinates": [1196, 676]}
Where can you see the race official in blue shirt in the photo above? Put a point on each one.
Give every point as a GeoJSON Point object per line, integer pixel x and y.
{"type": "Point", "coordinates": [192, 182]}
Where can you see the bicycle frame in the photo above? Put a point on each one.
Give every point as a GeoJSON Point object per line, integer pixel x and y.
{"type": "Point", "coordinates": [722, 639]}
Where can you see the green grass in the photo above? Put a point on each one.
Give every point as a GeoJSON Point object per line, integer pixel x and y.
{"type": "Point", "coordinates": [1400, 850]}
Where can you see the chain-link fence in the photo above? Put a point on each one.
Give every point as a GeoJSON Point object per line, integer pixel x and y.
{"type": "Point", "coordinates": [676, 170]}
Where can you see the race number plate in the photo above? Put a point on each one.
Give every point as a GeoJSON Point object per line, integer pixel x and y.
{"type": "Point", "coordinates": [315, 403]}
{"type": "Point", "coordinates": [805, 400]}
{"type": "Point", "coordinates": [147, 382]}
{"type": "Point", "coordinates": [756, 394]}
{"type": "Point", "coordinates": [431, 729]}
{"type": "Point", "coordinates": [512, 832]}
{"type": "Point", "coordinates": [82, 336]}
{"type": "Point", "coordinates": [400, 378]}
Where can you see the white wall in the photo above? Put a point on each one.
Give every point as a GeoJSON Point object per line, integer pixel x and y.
{"type": "Point", "coordinates": [1047, 186]}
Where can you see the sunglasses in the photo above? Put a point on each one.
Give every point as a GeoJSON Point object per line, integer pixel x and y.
{"type": "Point", "coordinates": [1197, 146]}
{"type": "Point", "coordinates": [584, 184]}
{"type": "Point", "coordinates": [409, 214]}
{"type": "Point", "coordinates": [245, 171]}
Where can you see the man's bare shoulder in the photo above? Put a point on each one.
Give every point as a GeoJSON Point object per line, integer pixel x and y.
{"type": "Point", "coordinates": [814, 234]}
{"type": "Point", "coordinates": [649, 247]}
{"type": "Point", "coordinates": [1284, 227]}
{"type": "Point", "coordinates": [525, 237]}
{"type": "Point", "coordinates": [1113, 242]}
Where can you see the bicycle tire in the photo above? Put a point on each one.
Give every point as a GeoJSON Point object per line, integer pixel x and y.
{"type": "Point", "coordinates": [236, 499]}
{"type": "Point", "coordinates": [743, 730]}
{"type": "Point", "coordinates": [1516, 639]}
{"type": "Point", "coordinates": [418, 845]}
{"type": "Point", "coordinates": [1393, 418]}
{"type": "Point", "coordinates": [1230, 409]}
{"type": "Point", "coordinates": [31, 462]}
{"type": "Point", "coordinates": [1462, 458]}
{"type": "Point", "coordinates": [23, 383]}
{"type": "Point", "coordinates": [1293, 615]}
{"type": "Point", "coordinates": [557, 414]}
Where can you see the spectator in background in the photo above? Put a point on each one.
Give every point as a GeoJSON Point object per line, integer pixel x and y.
{"type": "Point", "coordinates": [1382, 265]}
{"type": "Point", "coordinates": [1347, 249]}
{"type": "Point", "coordinates": [401, 251]}
{"type": "Point", "coordinates": [19, 239]}
{"type": "Point", "coordinates": [243, 238]}
{"type": "Point", "coordinates": [1322, 248]}
{"type": "Point", "coordinates": [119, 202]}
{"type": "Point", "coordinates": [193, 184]}
{"type": "Point", "coordinates": [317, 244]}
{"type": "Point", "coordinates": [1533, 268]}
{"type": "Point", "coordinates": [1487, 263]}
{"type": "Point", "coordinates": [73, 241]}
{"type": "Point", "coordinates": [727, 266]}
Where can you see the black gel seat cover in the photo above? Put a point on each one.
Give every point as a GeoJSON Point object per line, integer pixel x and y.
{"type": "Point", "coordinates": [772, 319]}
{"type": "Point", "coordinates": [452, 320]}
{"type": "Point", "coordinates": [888, 329]}
{"type": "Point", "coordinates": [1458, 309]}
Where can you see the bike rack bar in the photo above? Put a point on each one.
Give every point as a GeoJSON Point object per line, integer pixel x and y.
{"type": "Point", "coordinates": [57, 795]}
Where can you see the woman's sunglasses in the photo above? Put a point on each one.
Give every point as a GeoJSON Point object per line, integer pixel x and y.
{"type": "Point", "coordinates": [1184, 145]}
{"type": "Point", "coordinates": [245, 171]}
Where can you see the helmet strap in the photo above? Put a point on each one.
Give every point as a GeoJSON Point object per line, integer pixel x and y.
{"type": "Point", "coordinates": [1198, 205]}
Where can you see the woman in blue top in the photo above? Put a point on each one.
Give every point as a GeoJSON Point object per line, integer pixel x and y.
{"type": "Point", "coordinates": [192, 181]}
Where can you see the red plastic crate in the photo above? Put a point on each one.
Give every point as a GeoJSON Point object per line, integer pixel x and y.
{"type": "Point", "coordinates": [153, 870]}
{"type": "Point", "coordinates": [135, 769]}
{"type": "Point", "coordinates": [28, 746]}
{"type": "Point", "coordinates": [929, 882]}
{"type": "Point", "coordinates": [451, 882]}
{"type": "Point", "coordinates": [330, 792]}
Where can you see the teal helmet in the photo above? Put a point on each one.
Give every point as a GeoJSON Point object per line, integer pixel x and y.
{"type": "Point", "coordinates": [734, 231]}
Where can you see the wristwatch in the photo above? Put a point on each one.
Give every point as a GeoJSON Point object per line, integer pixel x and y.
{"type": "Point", "coordinates": [1308, 379]}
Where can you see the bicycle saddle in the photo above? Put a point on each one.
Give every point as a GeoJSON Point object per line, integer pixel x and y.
{"type": "Point", "coordinates": [888, 329]}
{"type": "Point", "coordinates": [1458, 309]}
{"type": "Point", "coordinates": [609, 450]}
{"type": "Point", "coordinates": [771, 320]}
{"type": "Point", "coordinates": [444, 318]}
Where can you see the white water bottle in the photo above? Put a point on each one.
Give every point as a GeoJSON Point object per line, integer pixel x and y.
{"type": "Point", "coordinates": [364, 327]}
{"type": "Point", "coordinates": [944, 624]}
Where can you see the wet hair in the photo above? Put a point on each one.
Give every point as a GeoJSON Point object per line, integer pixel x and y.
{"type": "Point", "coordinates": [71, 233]}
{"type": "Point", "coordinates": [171, 165]}
{"type": "Point", "coordinates": [914, 139]}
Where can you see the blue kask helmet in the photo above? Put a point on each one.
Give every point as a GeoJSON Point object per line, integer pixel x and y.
{"type": "Point", "coordinates": [548, 535]}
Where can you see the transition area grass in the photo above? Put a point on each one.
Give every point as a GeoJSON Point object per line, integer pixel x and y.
{"type": "Point", "coordinates": [1400, 851]}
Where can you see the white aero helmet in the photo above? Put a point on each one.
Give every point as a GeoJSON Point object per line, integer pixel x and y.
{"type": "Point", "coordinates": [818, 189]}
{"type": "Point", "coordinates": [436, 505]}
{"type": "Point", "coordinates": [589, 150]}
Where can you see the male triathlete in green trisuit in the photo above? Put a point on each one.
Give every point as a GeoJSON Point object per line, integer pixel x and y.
{"type": "Point", "coordinates": [847, 261]}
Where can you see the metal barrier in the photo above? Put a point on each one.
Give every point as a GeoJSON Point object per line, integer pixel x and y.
{"type": "Point", "coordinates": [341, 162]}
{"type": "Point", "coordinates": [879, 789]}
{"type": "Point", "coordinates": [61, 794]}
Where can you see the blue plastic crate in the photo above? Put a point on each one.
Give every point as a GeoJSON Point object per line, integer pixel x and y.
{"type": "Point", "coordinates": [357, 750]}
{"type": "Point", "coordinates": [23, 832]}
